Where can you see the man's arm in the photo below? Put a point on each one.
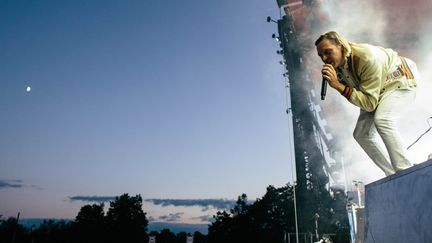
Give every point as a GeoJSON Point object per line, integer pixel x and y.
{"type": "Point", "coordinates": [367, 95]}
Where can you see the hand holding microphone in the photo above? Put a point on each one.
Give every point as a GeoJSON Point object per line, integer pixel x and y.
{"type": "Point", "coordinates": [330, 77]}
{"type": "Point", "coordinates": [326, 72]}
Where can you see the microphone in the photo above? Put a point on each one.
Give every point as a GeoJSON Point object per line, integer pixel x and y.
{"type": "Point", "coordinates": [323, 89]}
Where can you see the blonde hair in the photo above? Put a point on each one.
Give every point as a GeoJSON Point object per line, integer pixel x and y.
{"type": "Point", "coordinates": [338, 40]}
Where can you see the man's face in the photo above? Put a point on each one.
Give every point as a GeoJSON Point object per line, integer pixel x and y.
{"type": "Point", "coordinates": [330, 53]}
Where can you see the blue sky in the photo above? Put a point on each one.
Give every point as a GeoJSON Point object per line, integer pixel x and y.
{"type": "Point", "coordinates": [168, 99]}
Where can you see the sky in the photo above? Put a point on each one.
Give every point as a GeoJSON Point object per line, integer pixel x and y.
{"type": "Point", "coordinates": [169, 100]}
{"type": "Point", "coordinates": [182, 102]}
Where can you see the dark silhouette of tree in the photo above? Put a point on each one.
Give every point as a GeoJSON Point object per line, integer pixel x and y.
{"type": "Point", "coordinates": [266, 220]}
{"type": "Point", "coordinates": [199, 237]}
{"type": "Point", "coordinates": [273, 214]}
{"type": "Point", "coordinates": [242, 225]}
{"type": "Point", "coordinates": [9, 228]}
{"type": "Point", "coordinates": [90, 215]}
{"type": "Point", "coordinates": [126, 221]}
{"type": "Point", "coordinates": [181, 237]}
{"type": "Point", "coordinates": [269, 218]}
{"type": "Point", "coordinates": [234, 227]}
{"type": "Point", "coordinates": [219, 230]}
{"type": "Point", "coordinates": [52, 231]}
{"type": "Point", "coordinates": [90, 224]}
{"type": "Point", "coordinates": [166, 236]}
{"type": "Point", "coordinates": [241, 206]}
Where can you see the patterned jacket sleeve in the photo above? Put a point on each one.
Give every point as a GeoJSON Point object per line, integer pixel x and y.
{"type": "Point", "coordinates": [370, 74]}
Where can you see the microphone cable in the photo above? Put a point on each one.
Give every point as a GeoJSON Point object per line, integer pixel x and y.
{"type": "Point", "coordinates": [430, 127]}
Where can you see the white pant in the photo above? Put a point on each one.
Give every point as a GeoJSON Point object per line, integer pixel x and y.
{"type": "Point", "coordinates": [382, 123]}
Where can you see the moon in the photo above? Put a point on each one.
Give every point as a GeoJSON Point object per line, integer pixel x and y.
{"type": "Point", "coordinates": [28, 89]}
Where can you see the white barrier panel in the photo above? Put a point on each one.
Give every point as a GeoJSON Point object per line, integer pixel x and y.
{"type": "Point", "coordinates": [399, 207]}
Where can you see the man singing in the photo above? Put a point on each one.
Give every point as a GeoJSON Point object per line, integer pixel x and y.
{"type": "Point", "coordinates": [381, 83]}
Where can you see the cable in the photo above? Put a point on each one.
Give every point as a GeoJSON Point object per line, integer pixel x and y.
{"type": "Point", "coordinates": [430, 127]}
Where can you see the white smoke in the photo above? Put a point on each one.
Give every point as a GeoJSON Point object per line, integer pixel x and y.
{"type": "Point", "coordinates": [354, 19]}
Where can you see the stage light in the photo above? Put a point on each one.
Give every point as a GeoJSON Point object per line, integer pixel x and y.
{"type": "Point", "coordinates": [269, 19]}
{"type": "Point", "coordinates": [276, 37]}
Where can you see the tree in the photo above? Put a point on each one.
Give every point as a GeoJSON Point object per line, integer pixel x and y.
{"type": "Point", "coordinates": [219, 230]}
{"type": "Point", "coordinates": [181, 237]}
{"type": "Point", "coordinates": [199, 237]}
{"type": "Point", "coordinates": [166, 236]}
{"type": "Point", "coordinates": [90, 223]}
{"type": "Point", "coordinates": [241, 206]}
{"type": "Point", "coordinates": [270, 217]}
{"type": "Point", "coordinates": [126, 220]}
{"type": "Point", "coordinates": [10, 228]}
{"type": "Point", "coordinates": [234, 227]}
{"type": "Point", "coordinates": [54, 231]}
{"type": "Point", "coordinates": [90, 215]}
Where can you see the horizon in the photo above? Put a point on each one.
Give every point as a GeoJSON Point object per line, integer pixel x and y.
{"type": "Point", "coordinates": [28, 223]}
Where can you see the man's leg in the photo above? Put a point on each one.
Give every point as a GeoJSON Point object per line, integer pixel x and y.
{"type": "Point", "coordinates": [385, 119]}
{"type": "Point", "coordinates": [367, 136]}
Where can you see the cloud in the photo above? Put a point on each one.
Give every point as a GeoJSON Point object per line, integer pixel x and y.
{"type": "Point", "coordinates": [172, 217]}
{"type": "Point", "coordinates": [98, 199]}
{"type": "Point", "coordinates": [205, 218]}
{"type": "Point", "coordinates": [205, 203]}
{"type": "Point", "coordinates": [36, 187]}
{"type": "Point", "coordinates": [10, 184]}
{"type": "Point", "coordinates": [151, 218]}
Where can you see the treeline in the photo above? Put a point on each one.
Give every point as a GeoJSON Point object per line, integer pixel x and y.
{"type": "Point", "coordinates": [125, 221]}
{"type": "Point", "coordinates": [269, 219]}
{"type": "Point", "coordinates": [272, 219]}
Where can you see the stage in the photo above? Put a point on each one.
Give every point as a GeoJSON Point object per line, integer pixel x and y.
{"type": "Point", "coordinates": [398, 207]}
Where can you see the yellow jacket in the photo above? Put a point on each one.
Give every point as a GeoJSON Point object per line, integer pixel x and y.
{"type": "Point", "coordinates": [373, 72]}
